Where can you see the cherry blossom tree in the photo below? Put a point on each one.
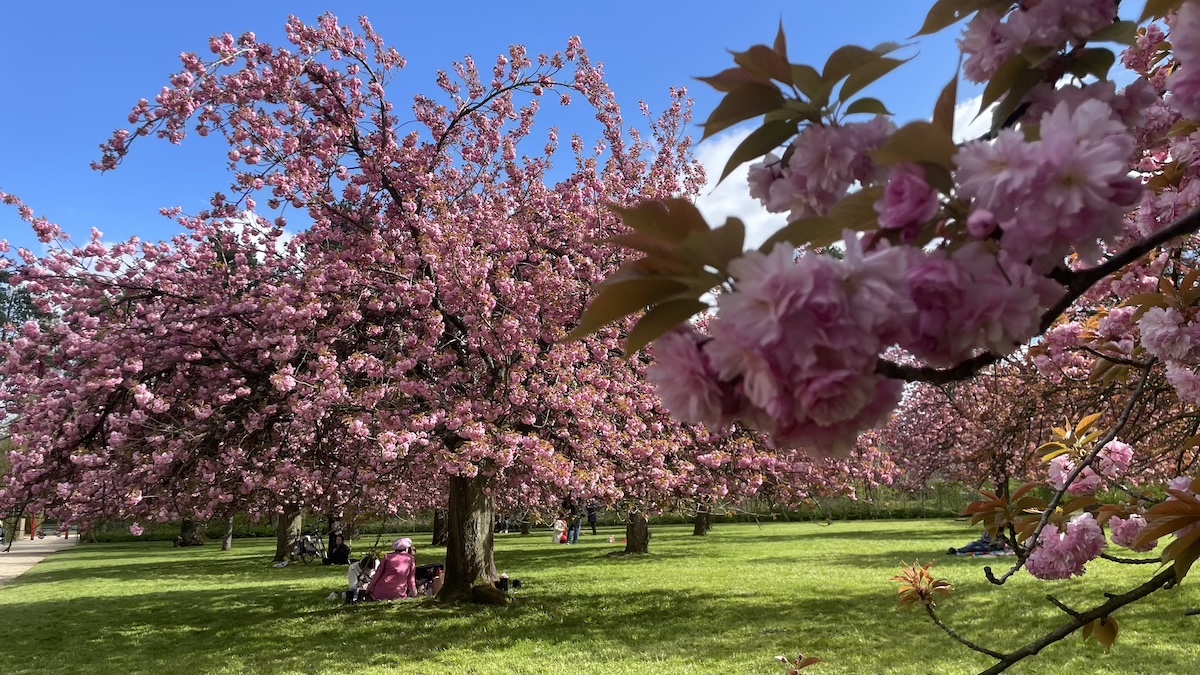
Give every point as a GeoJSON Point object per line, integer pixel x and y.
{"type": "Point", "coordinates": [402, 351]}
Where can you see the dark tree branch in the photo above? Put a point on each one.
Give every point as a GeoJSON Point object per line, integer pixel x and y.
{"type": "Point", "coordinates": [1161, 580]}
{"type": "Point", "coordinates": [1132, 561]}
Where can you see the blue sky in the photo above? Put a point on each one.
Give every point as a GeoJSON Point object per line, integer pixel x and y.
{"type": "Point", "coordinates": [72, 70]}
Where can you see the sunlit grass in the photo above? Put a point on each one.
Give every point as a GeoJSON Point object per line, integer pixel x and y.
{"type": "Point", "coordinates": [726, 603]}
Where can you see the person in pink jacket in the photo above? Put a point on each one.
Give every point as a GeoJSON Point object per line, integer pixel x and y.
{"type": "Point", "coordinates": [396, 576]}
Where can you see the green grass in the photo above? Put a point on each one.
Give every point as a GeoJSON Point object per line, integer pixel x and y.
{"type": "Point", "coordinates": [727, 603]}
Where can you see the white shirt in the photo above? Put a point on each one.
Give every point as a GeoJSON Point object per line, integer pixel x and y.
{"type": "Point", "coordinates": [352, 577]}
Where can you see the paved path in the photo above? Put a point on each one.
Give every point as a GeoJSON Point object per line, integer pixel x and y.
{"type": "Point", "coordinates": [26, 554]}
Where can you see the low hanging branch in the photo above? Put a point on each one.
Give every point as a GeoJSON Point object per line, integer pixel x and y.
{"type": "Point", "coordinates": [1163, 579]}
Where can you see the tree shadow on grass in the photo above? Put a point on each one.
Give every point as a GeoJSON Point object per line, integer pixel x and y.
{"type": "Point", "coordinates": [274, 633]}
{"type": "Point", "coordinates": [857, 535]}
{"type": "Point", "coordinates": [208, 618]}
{"type": "Point", "coordinates": [116, 563]}
{"type": "Point", "coordinates": [271, 632]}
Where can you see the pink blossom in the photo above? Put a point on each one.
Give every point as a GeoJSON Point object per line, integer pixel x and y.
{"type": "Point", "coordinates": [1125, 532]}
{"type": "Point", "coordinates": [1163, 336]}
{"type": "Point", "coordinates": [907, 202]}
{"type": "Point", "coordinates": [283, 381]}
{"type": "Point", "coordinates": [1117, 324]}
{"type": "Point", "coordinates": [1185, 381]}
{"type": "Point", "coordinates": [987, 43]}
{"type": "Point", "coordinates": [1061, 555]}
{"type": "Point", "coordinates": [946, 325]}
{"type": "Point", "coordinates": [997, 174]}
{"type": "Point", "coordinates": [1086, 483]}
{"type": "Point", "coordinates": [797, 341]}
{"type": "Point", "coordinates": [1180, 484]}
{"type": "Point", "coordinates": [136, 530]}
{"type": "Point", "coordinates": [825, 161]}
{"type": "Point", "coordinates": [981, 223]}
{"type": "Point", "coordinates": [1114, 459]}
{"type": "Point", "coordinates": [685, 380]}
{"type": "Point", "coordinates": [1184, 82]}
{"type": "Point", "coordinates": [760, 177]}
{"type": "Point", "coordinates": [1052, 558]}
{"type": "Point", "coordinates": [837, 396]}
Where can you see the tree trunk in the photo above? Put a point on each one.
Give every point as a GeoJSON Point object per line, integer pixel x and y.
{"type": "Point", "coordinates": [441, 536]}
{"type": "Point", "coordinates": [637, 533]}
{"type": "Point", "coordinates": [227, 540]}
{"type": "Point", "coordinates": [334, 522]}
{"type": "Point", "coordinates": [703, 522]}
{"type": "Point", "coordinates": [287, 532]}
{"type": "Point", "coordinates": [469, 545]}
{"type": "Point", "coordinates": [189, 534]}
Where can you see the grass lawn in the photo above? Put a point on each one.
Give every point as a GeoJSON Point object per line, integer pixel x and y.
{"type": "Point", "coordinates": [726, 603]}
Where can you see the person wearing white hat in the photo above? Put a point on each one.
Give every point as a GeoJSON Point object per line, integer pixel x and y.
{"type": "Point", "coordinates": [397, 574]}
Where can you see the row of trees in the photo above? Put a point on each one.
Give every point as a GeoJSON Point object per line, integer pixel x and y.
{"type": "Point", "coordinates": [399, 346]}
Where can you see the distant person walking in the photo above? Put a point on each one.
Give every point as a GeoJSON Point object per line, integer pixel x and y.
{"type": "Point", "coordinates": [574, 521]}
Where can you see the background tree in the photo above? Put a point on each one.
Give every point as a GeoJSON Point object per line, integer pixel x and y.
{"type": "Point", "coordinates": [399, 349]}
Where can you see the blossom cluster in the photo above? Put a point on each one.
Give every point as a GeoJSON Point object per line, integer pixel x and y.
{"type": "Point", "coordinates": [824, 162]}
{"type": "Point", "coordinates": [1061, 554]}
{"type": "Point", "coordinates": [949, 270]}
{"type": "Point", "coordinates": [991, 39]}
{"type": "Point", "coordinates": [1175, 340]}
{"type": "Point", "coordinates": [1113, 460]}
{"type": "Point", "coordinates": [409, 334]}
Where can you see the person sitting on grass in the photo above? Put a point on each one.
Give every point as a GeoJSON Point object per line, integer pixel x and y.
{"type": "Point", "coordinates": [396, 577]}
{"type": "Point", "coordinates": [340, 555]}
{"type": "Point", "coordinates": [359, 577]}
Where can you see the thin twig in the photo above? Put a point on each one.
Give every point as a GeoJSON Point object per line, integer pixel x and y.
{"type": "Point", "coordinates": [960, 639]}
{"type": "Point", "coordinates": [1121, 361]}
{"type": "Point", "coordinates": [1059, 604]}
{"type": "Point", "coordinates": [1131, 561]}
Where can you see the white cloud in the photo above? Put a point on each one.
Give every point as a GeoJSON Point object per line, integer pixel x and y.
{"type": "Point", "coordinates": [732, 196]}
{"type": "Point", "coordinates": [255, 236]}
{"type": "Point", "coordinates": [967, 125]}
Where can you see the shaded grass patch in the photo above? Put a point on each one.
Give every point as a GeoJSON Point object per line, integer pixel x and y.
{"type": "Point", "coordinates": [723, 603]}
